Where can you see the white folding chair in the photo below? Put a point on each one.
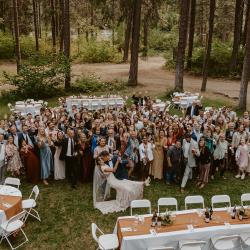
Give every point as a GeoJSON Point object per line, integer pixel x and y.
{"type": "Point", "coordinates": [191, 244]}
{"type": "Point", "coordinates": [216, 199]}
{"type": "Point", "coordinates": [11, 226]}
{"type": "Point", "coordinates": [245, 238]}
{"type": "Point", "coordinates": [225, 242]}
{"type": "Point", "coordinates": [161, 248]}
{"type": "Point", "coordinates": [244, 197]}
{"type": "Point", "coordinates": [167, 202]}
{"type": "Point", "coordinates": [12, 181]}
{"type": "Point", "coordinates": [140, 204]}
{"type": "Point", "coordinates": [195, 199]}
{"type": "Point", "coordinates": [30, 204]}
{"type": "Point", "coordinates": [104, 241]}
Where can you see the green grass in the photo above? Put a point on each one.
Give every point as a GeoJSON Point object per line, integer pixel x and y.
{"type": "Point", "coordinates": [67, 214]}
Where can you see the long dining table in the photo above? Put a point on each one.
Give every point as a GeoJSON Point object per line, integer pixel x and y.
{"type": "Point", "coordinates": [134, 234]}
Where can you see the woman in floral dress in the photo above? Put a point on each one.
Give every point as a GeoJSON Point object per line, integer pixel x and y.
{"type": "Point", "coordinates": [14, 163]}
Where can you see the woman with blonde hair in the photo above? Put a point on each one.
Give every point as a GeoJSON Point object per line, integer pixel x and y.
{"type": "Point", "coordinates": [14, 163]}
{"type": "Point", "coordinates": [46, 160]}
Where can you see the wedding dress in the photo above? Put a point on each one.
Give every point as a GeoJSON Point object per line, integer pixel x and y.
{"type": "Point", "coordinates": [126, 191]}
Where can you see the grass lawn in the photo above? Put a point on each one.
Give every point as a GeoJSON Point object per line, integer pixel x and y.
{"type": "Point", "coordinates": [67, 214]}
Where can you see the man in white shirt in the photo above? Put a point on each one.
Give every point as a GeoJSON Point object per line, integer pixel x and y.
{"type": "Point", "coordinates": [138, 124]}
{"type": "Point", "coordinates": [146, 157]}
{"type": "Point", "coordinates": [2, 159]}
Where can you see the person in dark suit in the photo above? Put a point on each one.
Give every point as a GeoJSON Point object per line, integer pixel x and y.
{"type": "Point", "coordinates": [69, 153]}
{"type": "Point", "coordinates": [25, 136]}
{"type": "Point", "coordinates": [194, 109]}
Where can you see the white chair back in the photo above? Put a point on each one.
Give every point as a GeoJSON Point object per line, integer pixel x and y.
{"type": "Point", "coordinates": [36, 192]}
{"type": "Point", "coordinates": [191, 244]}
{"type": "Point", "coordinates": [195, 199]}
{"type": "Point", "coordinates": [224, 240]}
{"type": "Point", "coordinates": [12, 181]}
{"type": "Point", "coordinates": [140, 204]}
{"type": "Point", "coordinates": [216, 199]}
{"type": "Point", "coordinates": [245, 197]}
{"type": "Point", "coordinates": [161, 248]}
{"type": "Point", "coordinates": [19, 216]}
{"type": "Point", "coordinates": [94, 229]}
{"type": "Point", "coordinates": [167, 202]}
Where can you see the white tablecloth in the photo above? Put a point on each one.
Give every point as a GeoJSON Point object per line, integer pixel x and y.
{"type": "Point", "coordinates": [8, 190]}
{"type": "Point", "coordinates": [143, 242]}
{"type": "Point", "coordinates": [94, 103]}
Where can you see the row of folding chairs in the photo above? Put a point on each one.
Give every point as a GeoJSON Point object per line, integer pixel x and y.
{"type": "Point", "coordinates": [189, 201]}
{"type": "Point", "coordinates": [110, 241]}
{"type": "Point", "coordinates": [15, 224]}
{"type": "Point", "coordinates": [224, 242]}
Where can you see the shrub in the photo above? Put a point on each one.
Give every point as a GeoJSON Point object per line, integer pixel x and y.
{"type": "Point", "coordinates": [6, 46]}
{"type": "Point", "coordinates": [161, 41]}
{"type": "Point", "coordinates": [92, 84]}
{"type": "Point", "coordinates": [219, 64]}
{"type": "Point", "coordinates": [27, 46]}
{"type": "Point", "coordinates": [97, 52]}
{"type": "Point", "coordinates": [38, 81]}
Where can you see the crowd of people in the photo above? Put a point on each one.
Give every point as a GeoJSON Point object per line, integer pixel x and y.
{"type": "Point", "coordinates": [145, 141]}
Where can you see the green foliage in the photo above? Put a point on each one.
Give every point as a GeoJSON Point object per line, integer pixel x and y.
{"type": "Point", "coordinates": [6, 46]}
{"type": "Point", "coordinates": [220, 60]}
{"type": "Point", "coordinates": [92, 84]}
{"type": "Point", "coordinates": [38, 81]}
{"type": "Point", "coordinates": [7, 50]}
{"type": "Point", "coordinates": [97, 52]}
{"type": "Point", "coordinates": [219, 65]}
{"type": "Point", "coordinates": [161, 41]}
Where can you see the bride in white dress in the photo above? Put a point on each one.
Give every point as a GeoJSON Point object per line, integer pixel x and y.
{"type": "Point", "coordinates": [104, 179]}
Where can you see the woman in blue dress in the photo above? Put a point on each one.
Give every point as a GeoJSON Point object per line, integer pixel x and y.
{"type": "Point", "coordinates": [46, 160]}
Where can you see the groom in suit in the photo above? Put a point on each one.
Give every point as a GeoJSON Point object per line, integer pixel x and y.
{"type": "Point", "coordinates": [69, 153]}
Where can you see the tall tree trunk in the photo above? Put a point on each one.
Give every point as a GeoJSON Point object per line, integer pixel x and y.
{"type": "Point", "coordinates": [145, 35]}
{"type": "Point", "coordinates": [209, 45]}
{"type": "Point", "coordinates": [92, 20]}
{"type": "Point", "coordinates": [66, 25]}
{"type": "Point", "coordinates": [191, 34]}
{"type": "Point", "coordinates": [180, 58]}
{"type": "Point", "coordinates": [39, 23]}
{"type": "Point", "coordinates": [53, 24]}
{"type": "Point", "coordinates": [113, 22]}
{"type": "Point", "coordinates": [16, 34]}
{"type": "Point", "coordinates": [35, 24]}
{"type": "Point", "coordinates": [246, 70]}
{"type": "Point", "coordinates": [61, 24]}
{"type": "Point", "coordinates": [127, 34]}
{"type": "Point", "coordinates": [246, 23]}
{"type": "Point", "coordinates": [237, 34]}
{"type": "Point", "coordinates": [133, 72]}
{"type": "Point", "coordinates": [57, 18]}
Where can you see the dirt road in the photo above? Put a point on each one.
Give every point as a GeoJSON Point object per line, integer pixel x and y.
{"type": "Point", "coordinates": [153, 77]}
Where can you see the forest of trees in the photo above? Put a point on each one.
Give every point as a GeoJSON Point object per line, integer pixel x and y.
{"type": "Point", "coordinates": [191, 33]}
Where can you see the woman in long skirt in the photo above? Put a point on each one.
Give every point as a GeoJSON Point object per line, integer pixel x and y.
{"type": "Point", "coordinates": [59, 165]}
{"type": "Point", "coordinates": [14, 163]}
{"type": "Point", "coordinates": [86, 158]}
{"type": "Point", "coordinates": [204, 163]}
{"type": "Point", "coordinates": [30, 162]}
{"type": "Point", "coordinates": [46, 160]}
